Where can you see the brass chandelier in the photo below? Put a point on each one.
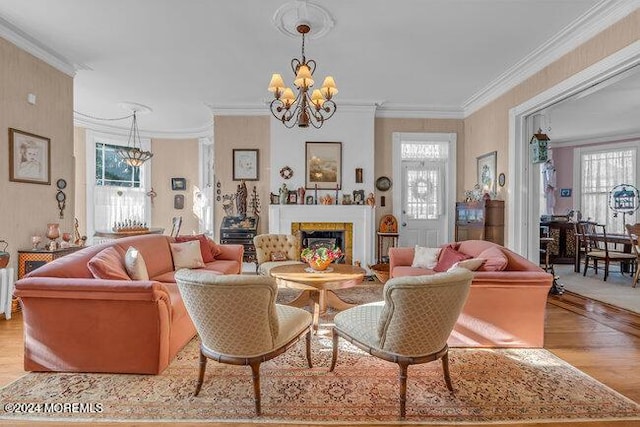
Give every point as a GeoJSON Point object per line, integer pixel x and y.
{"type": "Point", "coordinates": [132, 154]}
{"type": "Point", "coordinates": [303, 109]}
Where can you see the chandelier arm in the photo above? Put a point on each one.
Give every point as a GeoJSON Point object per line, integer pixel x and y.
{"type": "Point", "coordinates": [295, 64]}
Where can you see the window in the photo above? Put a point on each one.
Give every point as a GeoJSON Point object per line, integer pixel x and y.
{"type": "Point", "coordinates": [423, 165]}
{"type": "Point", "coordinates": [116, 192]}
{"type": "Point", "coordinates": [111, 170]}
{"type": "Point", "coordinates": [602, 168]}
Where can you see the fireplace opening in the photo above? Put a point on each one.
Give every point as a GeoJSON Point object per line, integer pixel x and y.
{"type": "Point", "coordinates": [320, 238]}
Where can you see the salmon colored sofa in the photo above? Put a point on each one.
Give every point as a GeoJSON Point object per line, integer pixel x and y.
{"type": "Point", "coordinates": [76, 323]}
{"type": "Point", "coordinates": [504, 308]}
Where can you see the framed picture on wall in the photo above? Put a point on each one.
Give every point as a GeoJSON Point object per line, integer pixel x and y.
{"type": "Point", "coordinates": [29, 157]}
{"type": "Point", "coordinates": [486, 170]}
{"type": "Point", "coordinates": [323, 165]}
{"type": "Point", "coordinates": [245, 164]}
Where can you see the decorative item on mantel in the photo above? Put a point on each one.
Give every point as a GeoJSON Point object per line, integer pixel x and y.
{"type": "Point", "coordinates": [301, 192]}
{"type": "Point", "coordinates": [326, 200]}
{"type": "Point", "coordinates": [371, 200]}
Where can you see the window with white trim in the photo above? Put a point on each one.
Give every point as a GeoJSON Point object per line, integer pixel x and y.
{"type": "Point", "coordinates": [602, 168]}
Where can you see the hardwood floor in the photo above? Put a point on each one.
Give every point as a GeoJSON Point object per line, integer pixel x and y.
{"type": "Point", "coordinates": [598, 339]}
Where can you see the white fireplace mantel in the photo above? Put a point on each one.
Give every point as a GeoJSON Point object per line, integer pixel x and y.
{"type": "Point", "coordinates": [361, 216]}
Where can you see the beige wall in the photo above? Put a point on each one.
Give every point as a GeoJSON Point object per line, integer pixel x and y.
{"type": "Point", "coordinates": [384, 129]}
{"type": "Point", "coordinates": [488, 129]}
{"type": "Point", "coordinates": [242, 132]}
{"type": "Point", "coordinates": [174, 159]}
{"type": "Point", "coordinates": [27, 208]}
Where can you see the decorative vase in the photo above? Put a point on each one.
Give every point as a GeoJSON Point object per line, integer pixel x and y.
{"type": "Point", "coordinates": [35, 241]}
{"type": "Point", "coordinates": [319, 264]}
{"type": "Point", "coordinates": [53, 231]}
{"type": "Point", "coordinates": [4, 255]}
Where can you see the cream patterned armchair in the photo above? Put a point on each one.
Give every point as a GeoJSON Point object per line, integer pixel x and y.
{"type": "Point", "coordinates": [238, 321]}
{"type": "Point", "coordinates": [273, 250]}
{"type": "Point", "coordinates": [411, 325]}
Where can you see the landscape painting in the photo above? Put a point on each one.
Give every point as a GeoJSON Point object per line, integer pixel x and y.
{"type": "Point", "coordinates": [323, 165]}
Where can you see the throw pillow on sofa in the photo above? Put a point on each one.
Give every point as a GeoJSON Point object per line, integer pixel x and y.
{"type": "Point", "coordinates": [470, 264]}
{"type": "Point", "coordinates": [135, 265]}
{"type": "Point", "coordinates": [495, 259]}
{"type": "Point", "coordinates": [205, 249]}
{"type": "Point", "coordinates": [186, 255]}
{"type": "Point", "coordinates": [214, 248]}
{"type": "Point", "coordinates": [448, 257]}
{"type": "Point", "coordinates": [425, 257]}
{"type": "Point", "coordinates": [108, 264]}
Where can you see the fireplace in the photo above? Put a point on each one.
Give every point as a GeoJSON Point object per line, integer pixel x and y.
{"type": "Point", "coordinates": [354, 221]}
{"type": "Point", "coordinates": [314, 234]}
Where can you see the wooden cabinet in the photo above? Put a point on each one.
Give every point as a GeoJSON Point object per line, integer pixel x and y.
{"type": "Point", "coordinates": [483, 220]}
{"type": "Point", "coordinates": [30, 259]}
{"type": "Point", "coordinates": [240, 231]}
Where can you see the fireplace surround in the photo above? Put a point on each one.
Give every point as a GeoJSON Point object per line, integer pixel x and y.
{"type": "Point", "coordinates": [359, 218]}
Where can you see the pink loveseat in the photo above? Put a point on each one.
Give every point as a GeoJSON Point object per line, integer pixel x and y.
{"type": "Point", "coordinates": [504, 308]}
{"type": "Point", "coordinates": [76, 323]}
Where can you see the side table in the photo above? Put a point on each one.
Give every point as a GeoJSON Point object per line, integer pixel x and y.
{"type": "Point", "coordinates": [381, 239]}
{"type": "Point", "coordinates": [30, 259]}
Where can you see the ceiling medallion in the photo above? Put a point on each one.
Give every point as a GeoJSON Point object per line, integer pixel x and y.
{"type": "Point", "coordinates": [289, 15]}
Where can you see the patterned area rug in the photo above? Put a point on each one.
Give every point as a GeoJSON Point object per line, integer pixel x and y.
{"type": "Point", "coordinates": [490, 386]}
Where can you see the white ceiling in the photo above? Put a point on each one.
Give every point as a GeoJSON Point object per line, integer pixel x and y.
{"type": "Point", "coordinates": [179, 56]}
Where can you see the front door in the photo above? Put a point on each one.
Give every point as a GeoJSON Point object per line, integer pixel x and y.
{"type": "Point", "coordinates": [423, 219]}
{"type": "Point", "coordinates": [424, 166]}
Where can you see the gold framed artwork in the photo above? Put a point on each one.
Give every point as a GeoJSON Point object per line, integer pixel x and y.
{"type": "Point", "coordinates": [29, 157]}
{"type": "Point", "coordinates": [323, 165]}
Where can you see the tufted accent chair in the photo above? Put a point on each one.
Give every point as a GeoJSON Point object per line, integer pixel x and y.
{"type": "Point", "coordinates": [411, 325]}
{"type": "Point", "coordinates": [266, 244]}
{"type": "Point", "coordinates": [239, 322]}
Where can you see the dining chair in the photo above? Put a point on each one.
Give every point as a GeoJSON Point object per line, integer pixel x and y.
{"type": "Point", "coordinates": [599, 250]}
{"type": "Point", "coordinates": [176, 223]}
{"type": "Point", "coordinates": [633, 230]}
{"type": "Point", "coordinates": [239, 322]}
{"type": "Point", "coordinates": [412, 324]}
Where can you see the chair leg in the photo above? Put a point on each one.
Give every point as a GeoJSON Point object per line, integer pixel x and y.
{"type": "Point", "coordinates": [334, 354]}
{"type": "Point", "coordinates": [255, 373]}
{"type": "Point", "coordinates": [308, 345]}
{"type": "Point", "coordinates": [402, 377]}
{"type": "Point", "coordinates": [203, 367]}
{"type": "Point", "coordinates": [586, 265]}
{"type": "Point", "coordinates": [445, 368]}
{"type": "Point", "coordinates": [635, 276]}
{"type": "Point", "coordinates": [606, 269]}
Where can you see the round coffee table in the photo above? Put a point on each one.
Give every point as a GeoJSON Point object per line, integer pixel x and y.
{"type": "Point", "coordinates": [320, 284]}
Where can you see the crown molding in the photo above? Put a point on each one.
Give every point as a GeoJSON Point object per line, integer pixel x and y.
{"type": "Point", "coordinates": [596, 139]}
{"type": "Point", "coordinates": [256, 109]}
{"type": "Point", "coordinates": [13, 34]}
{"type": "Point", "coordinates": [405, 111]}
{"type": "Point", "coordinates": [205, 131]}
{"type": "Point", "coordinates": [598, 18]}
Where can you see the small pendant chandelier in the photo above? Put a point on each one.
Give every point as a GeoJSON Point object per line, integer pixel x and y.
{"type": "Point", "coordinates": [303, 109]}
{"type": "Point", "coordinates": [132, 154]}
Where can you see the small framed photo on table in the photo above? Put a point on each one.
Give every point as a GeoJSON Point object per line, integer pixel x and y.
{"type": "Point", "coordinates": [245, 164]}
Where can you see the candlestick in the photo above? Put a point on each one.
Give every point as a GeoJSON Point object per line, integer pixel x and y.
{"type": "Point", "coordinates": [336, 194]}
{"type": "Point", "coordinates": [315, 198]}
